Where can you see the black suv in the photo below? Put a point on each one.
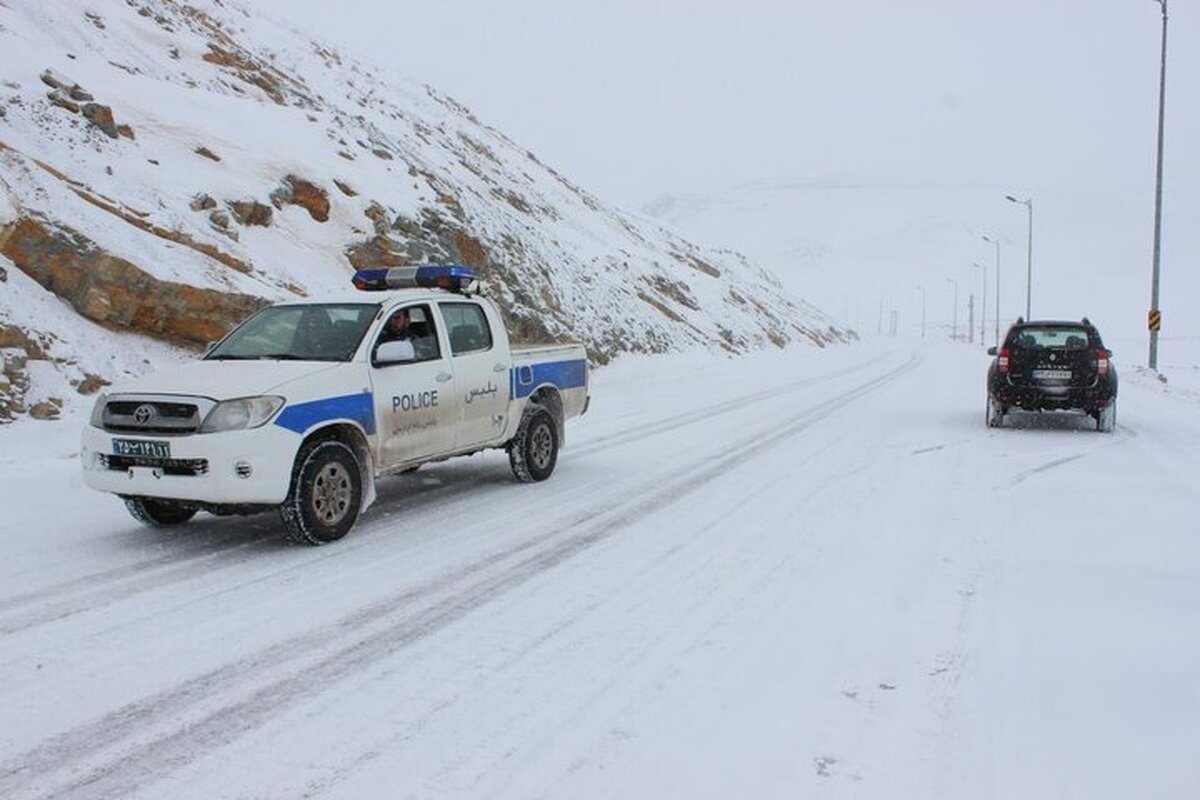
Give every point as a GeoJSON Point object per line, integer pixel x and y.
{"type": "Point", "coordinates": [1049, 365]}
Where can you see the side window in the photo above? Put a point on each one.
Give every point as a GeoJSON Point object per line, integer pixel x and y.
{"type": "Point", "coordinates": [413, 324]}
{"type": "Point", "coordinates": [468, 328]}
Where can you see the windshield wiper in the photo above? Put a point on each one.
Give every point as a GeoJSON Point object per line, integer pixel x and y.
{"type": "Point", "coordinates": [271, 357]}
{"type": "Point", "coordinates": [281, 357]}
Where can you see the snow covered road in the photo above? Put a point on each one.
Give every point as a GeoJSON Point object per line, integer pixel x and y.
{"type": "Point", "coordinates": [789, 575]}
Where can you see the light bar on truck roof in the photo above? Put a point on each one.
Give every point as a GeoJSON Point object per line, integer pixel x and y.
{"type": "Point", "coordinates": [453, 277]}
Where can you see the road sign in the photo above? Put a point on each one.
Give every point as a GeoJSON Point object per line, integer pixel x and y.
{"type": "Point", "coordinates": [1155, 320]}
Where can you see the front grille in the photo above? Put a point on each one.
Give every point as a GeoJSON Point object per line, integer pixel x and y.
{"type": "Point", "coordinates": [169, 410]}
{"type": "Point", "coordinates": [169, 466]}
{"type": "Point", "coordinates": [154, 415]}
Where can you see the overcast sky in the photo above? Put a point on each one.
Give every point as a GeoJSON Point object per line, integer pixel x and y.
{"type": "Point", "coordinates": [633, 98]}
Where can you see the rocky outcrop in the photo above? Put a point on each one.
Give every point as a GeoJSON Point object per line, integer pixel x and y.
{"type": "Point", "coordinates": [113, 292]}
{"type": "Point", "coordinates": [247, 69]}
{"type": "Point", "coordinates": [297, 191]}
{"type": "Point", "coordinates": [102, 117]}
{"type": "Point", "coordinates": [202, 202]}
{"type": "Point", "coordinates": [66, 93]}
{"type": "Point", "coordinates": [310, 197]}
{"type": "Point", "coordinates": [17, 348]}
{"type": "Point", "coordinates": [47, 409]}
{"type": "Point", "coordinates": [251, 212]}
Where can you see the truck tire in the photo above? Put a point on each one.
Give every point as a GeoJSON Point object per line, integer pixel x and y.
{"type": "Point", "coordinates": [326, 493]}
{"type": "Point", "coordinates": [158, 513]}
{"type": "Point", "coordinates": [533, 452]}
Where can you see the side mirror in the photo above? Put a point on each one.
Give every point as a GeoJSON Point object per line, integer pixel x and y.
{"type": "Point", "coordinates": [991, 351]}
{"type": "Point", "coordinates": [398, 352]}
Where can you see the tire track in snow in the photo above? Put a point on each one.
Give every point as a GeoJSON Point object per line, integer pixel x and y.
{"type": "Point", "coordinates": [122, 752]}
{"type": "Point", "coordinates": [654, 427]}
{"type": "Point", "coordinates": [91, 592]}
{"type": "Point", "coordinates": [1112, 440]}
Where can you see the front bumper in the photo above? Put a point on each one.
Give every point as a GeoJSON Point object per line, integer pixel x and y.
{"type": "Point", "coordinates": [246, 467]}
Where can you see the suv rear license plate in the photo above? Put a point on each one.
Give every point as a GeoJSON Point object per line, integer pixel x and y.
{"type": "Point", "coordinates": [1051, 374]}
{"type": "Point", "coordinates": [141, 447]}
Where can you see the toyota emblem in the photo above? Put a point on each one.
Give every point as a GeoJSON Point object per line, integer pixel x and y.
{"type": "Point", "coordinates": [143, 413]}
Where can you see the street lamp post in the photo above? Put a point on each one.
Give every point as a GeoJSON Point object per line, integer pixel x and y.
{"type": "Point", "coordinates": [997, 243]}
{"type": "Point", "coordinates": [983, 307]}
{"type": "Point", "coordinates": [1029, 254]}
{"type": "Point", "coordinates": [954, 330]}
{"type": "Point", "coordinates": [1162, 96]}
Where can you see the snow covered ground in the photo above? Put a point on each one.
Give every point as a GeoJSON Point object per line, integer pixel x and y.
{"type": "Point", "coordinates": [793, 574]}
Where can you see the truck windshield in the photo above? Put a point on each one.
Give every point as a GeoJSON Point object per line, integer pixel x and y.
{"type": "Point", "coordinates": [317, 332]}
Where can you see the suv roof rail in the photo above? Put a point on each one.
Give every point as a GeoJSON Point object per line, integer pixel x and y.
{"type": "Point", "coordinates": [1087, 321]}
{"type": "Point", "coordinates": [1020, 320]}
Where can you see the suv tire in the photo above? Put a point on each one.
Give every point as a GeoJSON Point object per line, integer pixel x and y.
{"type": "Point", "coordinates": [995, 414]}
{"type": "Point", "coordinates": [1106, 418]}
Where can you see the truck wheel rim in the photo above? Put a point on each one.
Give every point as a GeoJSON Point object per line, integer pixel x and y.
{"type": "Point", "coordinates": [541, 446]}
{"type": "Point", "coordinates": [331, 494]}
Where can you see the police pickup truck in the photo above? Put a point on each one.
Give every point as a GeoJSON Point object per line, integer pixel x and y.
{"type": "Point", "coordinates": [304, 404]}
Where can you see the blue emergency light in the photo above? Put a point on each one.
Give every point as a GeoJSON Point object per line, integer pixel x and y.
{"type": "Point", "coordinates": [454, 277]}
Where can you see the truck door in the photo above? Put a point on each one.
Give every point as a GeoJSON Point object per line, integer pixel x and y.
{"type": "Point", "coordinates": [415, 403]}
{"type": "Point", "coordinates": [480, 355]}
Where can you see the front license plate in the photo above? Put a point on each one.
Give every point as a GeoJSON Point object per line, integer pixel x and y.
{"type": "Point", "coordinates": [141, 447]}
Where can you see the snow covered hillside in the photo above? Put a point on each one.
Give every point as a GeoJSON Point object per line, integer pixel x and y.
{"type": "Point", "coordinates": [166, 167]}
{"type": "Point", "coordinates": [766, 577]}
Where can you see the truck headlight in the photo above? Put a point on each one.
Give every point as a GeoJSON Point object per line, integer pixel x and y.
{"type": "Point", "coordinates": [240, 414]}
{"type": "Point", "coordinates": [97, 420]}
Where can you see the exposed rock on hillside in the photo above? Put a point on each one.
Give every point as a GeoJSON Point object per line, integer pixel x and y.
{"type": "Point", "coordinates": [116, 293]}
{"type": "Point", "coordinates": [307, 195]}
{"type": "Point", "coordinates": [251, 212]}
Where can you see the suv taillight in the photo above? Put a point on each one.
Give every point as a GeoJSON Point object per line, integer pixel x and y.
{"type": "Point", "coordinates": [1002, 363]}
{"type": "Point", "coordinates": [1102, 357]}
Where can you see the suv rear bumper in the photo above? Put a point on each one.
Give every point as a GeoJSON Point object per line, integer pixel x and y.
{"type": "Point", "coordinates": [1048, 398]}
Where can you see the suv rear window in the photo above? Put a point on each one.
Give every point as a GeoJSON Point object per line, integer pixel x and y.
{"type": "Point", "coordinates": [1058, 336]}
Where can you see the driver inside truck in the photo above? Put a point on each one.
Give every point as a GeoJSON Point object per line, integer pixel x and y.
{"type": "Point", "coordinates": [411, 325]}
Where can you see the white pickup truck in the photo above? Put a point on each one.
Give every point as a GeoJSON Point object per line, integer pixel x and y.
{"type": "Point", "coordinates": [304, 404]}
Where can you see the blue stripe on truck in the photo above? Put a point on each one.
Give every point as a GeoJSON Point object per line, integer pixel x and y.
{"type": "Point", "coordinates": [357, 407]}
{"type": "Point", "coordinates": [563, 374]}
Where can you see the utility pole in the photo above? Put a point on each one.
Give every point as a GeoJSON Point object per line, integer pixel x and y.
{"type": "Point", "coordinates": [997, 243]}
{"type": "Point", "coordinates": [983, 307]}
{"type": "Point", "coordinates": [954, 334]}
{"type": "Point", "coordinates": [971, 318]}
{"type": "Point", "coordinates": [1155, 314]}
{"type": "Point", "coordinates": [1029, 255]}
{"type": "Point", "coordinates": [922, 290]}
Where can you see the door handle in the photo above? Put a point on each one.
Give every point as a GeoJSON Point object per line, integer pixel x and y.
{"type": "Point", "coordinates": [442, 377]}
{"type": "Point", "coordinates": [500, 368]}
